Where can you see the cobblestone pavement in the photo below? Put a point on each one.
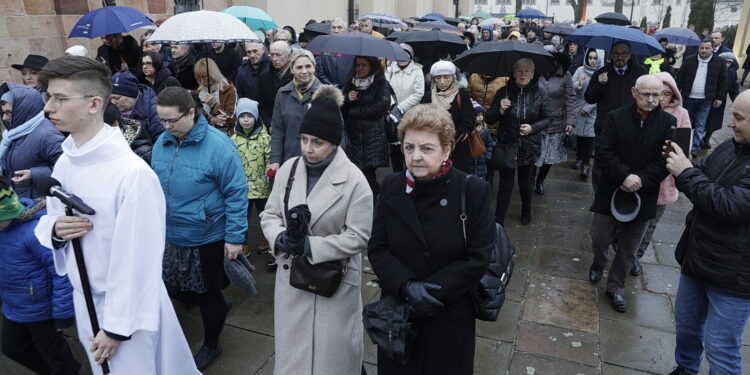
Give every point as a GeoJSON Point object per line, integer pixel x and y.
{"type": "Point", "coordinates": [553, 322]}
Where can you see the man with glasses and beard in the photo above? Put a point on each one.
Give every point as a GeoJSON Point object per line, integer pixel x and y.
{"type": "Point", "coordinates": [628, 151]}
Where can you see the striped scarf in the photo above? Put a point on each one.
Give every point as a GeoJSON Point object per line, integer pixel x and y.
{"type": "Point", "coordinates": [410, 180]}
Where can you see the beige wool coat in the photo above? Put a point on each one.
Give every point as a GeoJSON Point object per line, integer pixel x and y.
{"type": "Point", "coordinates": [317, 335]}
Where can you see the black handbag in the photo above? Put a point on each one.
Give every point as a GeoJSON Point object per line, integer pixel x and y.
{"type": "Point", "coordinates": [322, 279]}
{"type": "Point", "coordinates": [504, 156]}
{"type": "Point", "coordinates": [392, 119]}
{"type": "Point", "coordinates": [489, 294]}
{"type": "Point", "coordinates": [387, 323]}
{"type": "Point", "coordinates": [567, 142]}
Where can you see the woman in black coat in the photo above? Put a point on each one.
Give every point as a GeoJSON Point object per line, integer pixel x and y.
{"type": "Point", "coordinates": [366, 103]}
{"type": "Point", "coordinates": [153, 74]}
{"type": "Point", "coordinates": [446, 94]}
{"type": "Point", "coordinates": [521, 108]}
{"type": "Point", "coordinates": [417, 247]}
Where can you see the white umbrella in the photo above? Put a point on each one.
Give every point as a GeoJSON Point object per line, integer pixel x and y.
{"type": "Point", "coordinates": [202, 26]}
{"type": "Point", "coordinates": [491, 21]}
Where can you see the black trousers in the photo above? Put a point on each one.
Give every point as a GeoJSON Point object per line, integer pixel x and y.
{"type": "Point", "coordinates": [397, 158]}
{"type": "Point", "coordinates": [372, 180]}
{"type": "Point", "coordinates": [505, 189]}
{"type": "Point", "coordinates": [585, 147]}
{"type": "Point", "coordinates": [39, 347]}
{"type": "Point", "coordinates": [213, 308]}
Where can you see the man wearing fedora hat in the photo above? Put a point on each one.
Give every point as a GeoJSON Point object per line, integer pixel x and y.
{"type": "Point", "coordinates": [628, 151]}
{"type": "Point", "coordinates": [30, 68]}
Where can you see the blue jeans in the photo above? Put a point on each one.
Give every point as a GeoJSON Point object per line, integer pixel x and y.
{"type": "Point", "coordinates": [707, 316]}
{"type": "Point", "coordinates": [698, 110]}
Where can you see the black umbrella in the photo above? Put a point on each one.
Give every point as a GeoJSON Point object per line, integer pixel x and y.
{"type": "Point", "coordinates": [316, 29]}
{"type": "Point", "coordinates": [394, 35]}
{"type": "Point", "coordinates": [452, 21]}
{"type": "Point", "coordinates": [496, 59]}
{"type": "Point", "coordinates": [560, 29]}
{"type": "Point", "coordinates": [430, 43]}
{"type": "Point", "coordinates": [357, 44]}
{"type": "Point", "coordinates": [613, 18]}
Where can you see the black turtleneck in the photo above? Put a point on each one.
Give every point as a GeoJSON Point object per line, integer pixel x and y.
{"type": "Point", "coordinates": [314, 171]}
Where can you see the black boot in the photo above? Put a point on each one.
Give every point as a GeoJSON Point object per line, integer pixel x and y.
{"type": "Point", "coordinates": [585, 172]}
{"type": "Point", "coordinates": [526, 215]}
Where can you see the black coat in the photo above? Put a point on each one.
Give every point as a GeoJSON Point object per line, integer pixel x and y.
{"type": "Point", "coordinates": [183, 71]}
{"type": "Point", "coordinates": [162, 80]}
{"type": "Point", "coordinates": [715, 246]}
{"type": "Point", "coordinates": [228, 61]}
{"type": "Point", "coordinates": [269, 84]}
{"type": "Point", "coordinates": [614, 94]}
{"type": "Point", "coordinates": [129, 52]}
{"type": "Point", "coordinates": [463, 117]}
{"type": "Point", "coordinates": [248, 78]}
{"type": "Point", "coordinates": [419, 237]}
{"type": "Point", "coordinates": [364, 119]}
{"type": "Point", "coordinates": [528, 106]}
{"type": "Point", "coordinates": [716, 78]}
{"type": "Point", "coordinates": [628, 145]}
{"type": "Point", "coordinates": [576, 60]}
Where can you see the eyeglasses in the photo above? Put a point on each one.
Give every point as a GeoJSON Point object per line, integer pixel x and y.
{"type": "Point", "coordinates": [171, 121]}
{"type": "Point", "coordinates": [654, 95]}
{"type": "Point", "coordinates": [56, 101]}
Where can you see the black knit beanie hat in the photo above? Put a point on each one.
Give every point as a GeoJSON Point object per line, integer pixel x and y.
{"type": "Point", "coordinates": [323, 119]}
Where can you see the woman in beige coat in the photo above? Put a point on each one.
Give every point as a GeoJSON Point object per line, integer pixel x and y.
{"type": "Point", "coordinates": [314, 334]}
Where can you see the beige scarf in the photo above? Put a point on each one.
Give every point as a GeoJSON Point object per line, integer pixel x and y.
{"type": "Point", "coordinates": [446, 97]}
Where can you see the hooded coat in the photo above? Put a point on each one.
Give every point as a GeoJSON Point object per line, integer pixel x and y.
{"type": "Point", "coordinates": [145, 113]}
{"type": "Point", "coordinates": [37, 151]}
{"type": "Point", "coordinates": [367, 145]}
{"type": "Point", "coordinates": [30, 288]}
{"type": "Point", "coordinates": [667, 191]}
{"type": "Point", "coordinates": [255, 153]}
{"type": "Point", "coordinates": [528, 106]}
{"type": "Point", "coordinates": [585, 123]}
{"type": "Point", "coordinates": [407, 84]}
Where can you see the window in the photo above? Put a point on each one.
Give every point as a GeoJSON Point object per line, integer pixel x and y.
{"type": "Point", "coordinates": [528, 2]}
{"type": "Point", "coordinates": [554, 2]}
{"type": "Point", "coordinates": [483, 2]}
{"type": "Point", "coordinates": [504, 2]}
{"type": "Point", "coordinates": [656, 2]}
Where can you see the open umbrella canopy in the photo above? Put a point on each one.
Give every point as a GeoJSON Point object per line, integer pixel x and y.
{"type": "Point", "coordinates": [436, 15]}
{"type": "Point", "coordinates": [431, 44]}
{"type": "Point", "coordinates": [613, 18]}
{"type": "Point", "coordinates": [530, 13]}
{"type": "Point", "coordinates": [394, 35]}
{"type": "Point", "coordinates": [357, 44]}
{"type": "Point", "coordinates": [496, 59]}
{"type": "Point", "coordinates": [465, 18]}
{"type": "Point", "coordinates": [318, 29]}
{"type": "Point", "coordinates": [453, 21]}
{"type": "Point", "coordinates": [202, 26]}
{"type": "Point", "coordinates": [440, 25]}
{"type": "Point", "coordinates": [481, 14]}
{"type": "Point", "coordinates": [601, 36]}
{"type": "Point", "coordinates": [560, 29]}
{"type": "Point", "coordinates": [109, 20]}
{"type": "Point", "coordinates": [491, 21]}
{"type": "Point", "coordinates": [511, 17]}
{"type": "Point", "coordinates": [256, 18]}
{"type": "Point", "coordinates": [385, 20]}
{"type": "Point", "coordinates": [678, 35]}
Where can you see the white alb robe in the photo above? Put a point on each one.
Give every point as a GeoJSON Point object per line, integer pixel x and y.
{"type": "Point", "coordinates": [123, 255]}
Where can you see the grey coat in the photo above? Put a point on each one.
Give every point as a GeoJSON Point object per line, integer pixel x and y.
{"type": "Point", "coordinates": [288, 111]}
{"type": "Point", "coordinates": [316, 335]}
{"type": "Point", "coordinates": [584, 123]}
{"type": "Point", "coordinates": [561, 100]}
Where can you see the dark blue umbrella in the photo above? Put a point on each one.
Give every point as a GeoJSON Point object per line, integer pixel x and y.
{"type": "Point", "coordinates": [613, 18]}
{"type": "Point", "coordinates": [601, 36]}
{"type": "Point", "coordinates": [440, 25]}
{"type": "Point", "coordinates": [678, 35]}
{"type": "Point", "coordinates": [439, 16]}
{"type": "Point", "coordinates": [109, 20]}
{"type": "Point", "coordinates": [357, 44]}
{"type": "Point", "coordinates": [530, 13]}
{"type": "Point", "coordinates": [496, 59]}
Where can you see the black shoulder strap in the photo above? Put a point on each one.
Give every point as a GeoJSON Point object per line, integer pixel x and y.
{"type": "Point", "coordinates": [289, 183]}
{"type": "Point", "coordinates": [463, 216]}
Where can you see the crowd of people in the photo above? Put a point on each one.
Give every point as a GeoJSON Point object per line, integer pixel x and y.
{"type": "Point", "coordinates": [188, 138]}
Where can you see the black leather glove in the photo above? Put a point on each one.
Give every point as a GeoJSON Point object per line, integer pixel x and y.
{"type": "Point", "coordinates": [417, 293]}
{"type": "Point", "coordinates": [297, 221]}
{"type": "Point", "coordinates": [290, 244]}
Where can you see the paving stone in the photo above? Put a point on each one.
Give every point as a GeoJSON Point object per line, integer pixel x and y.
{"type": "Point", "coordinates": [490, 357]}
{"type": "Point", "coordinates": [665, 253]}
{"type": "Point", "coordinates": [608, 369]}
{"type": "Point", "coordinates": [661, 279]}
{"type": "Point", "coordinates": [644, 309]}
{"type": "Point", "coordinates": [566, 238]}
{"type": "Point", "coordinates": [650, 255]}
{"type": "Point", "coordinates": [524, 257]}
{"type": "Point", "coordinates": [626, 344]}
{"type": "Point", "coordinates": [561, 302]}
{"type": "Point", "coordinates": [562, 263]}
{"type": "Point", "coordinates": [534, 364]}
{"type": "Point", "coordinates": [244, 351]}
{"type": "Point", "coordinates": [575, 346]}
{"type": "Point", "coordinates": [668, 232]}
{"type": "Point", "coordinates": [504, 329]}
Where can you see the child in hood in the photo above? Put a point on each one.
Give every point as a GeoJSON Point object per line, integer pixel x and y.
{"type": "Point", "coordinates": [479, 165]}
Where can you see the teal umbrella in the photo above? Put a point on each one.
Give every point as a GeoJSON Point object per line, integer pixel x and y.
{"type": "Point", "coordinates": [256, 18]}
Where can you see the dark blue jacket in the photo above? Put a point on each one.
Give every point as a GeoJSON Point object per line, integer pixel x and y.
{"type": "Point", "coordinates": [37, 151]}
{"type": "Point", "coordinates": [145, 112]}
{"type": "Point", "coordinates": [247, 78]}
{"type": "Point", "coordinates": [30, 288]}
{"type": "Point", "coordinates": [334, 70]}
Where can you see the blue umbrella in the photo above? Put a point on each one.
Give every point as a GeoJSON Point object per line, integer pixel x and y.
{"type": "Point", "coordinates": [530, 13]}
{"type": "Point", "coordinates": [440, 16]}
{"type": "Point", "coordinates": [109, 20]}
{"type": "Point", "coordinates": [384, 20]}
{"type": "Point", "coordinates": [601, 36]}
{"type": "Point", "coordinates": [678, 35]}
